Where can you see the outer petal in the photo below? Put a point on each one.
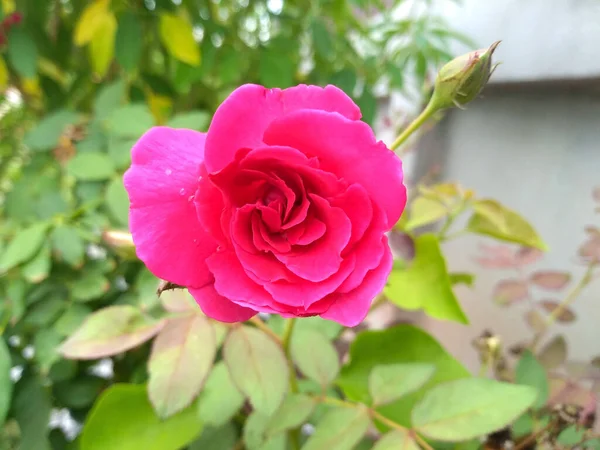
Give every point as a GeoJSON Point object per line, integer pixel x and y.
{"type": "Point", "coordinates": [161, 184]}
{"type": "Point", "coordinates": [351, 308]}
{"type": "Point", "coordinates": [348, 149]}
{"type": "Point", "coordinates": [218, 307]}
{"type": "Point", "coordinates": [242, 118]}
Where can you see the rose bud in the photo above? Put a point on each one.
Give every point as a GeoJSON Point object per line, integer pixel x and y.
{"type": "Point", "coordinates": [462, 79]}
{"type": "Point", "coordinates": [120, 242]}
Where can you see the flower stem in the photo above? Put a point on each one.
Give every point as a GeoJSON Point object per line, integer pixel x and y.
{"type": "Point", "coordinates": [294, 434]}
{"type": "Point", "coordinates": [569, 299]}
{"type": "Point", "coordinates": [265, 329]}
{"type": "Point", "coordinates": [429, 110]}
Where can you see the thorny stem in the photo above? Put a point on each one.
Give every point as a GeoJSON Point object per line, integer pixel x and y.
{"type": "Point", "coordinates": [376, 416]}
{"type": "Point", "coordinates": [414, 126]}
{"type": "Point", "coordinates": [569, 299]}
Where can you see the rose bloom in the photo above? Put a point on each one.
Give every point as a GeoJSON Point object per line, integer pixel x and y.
{"type": "Point", "coordinates": [282, 207]}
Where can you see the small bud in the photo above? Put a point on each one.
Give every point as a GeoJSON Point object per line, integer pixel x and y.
{"type": "Point", "coordinates": [120, 242]}
{"type": "Point", "coordinates": [462, 79]}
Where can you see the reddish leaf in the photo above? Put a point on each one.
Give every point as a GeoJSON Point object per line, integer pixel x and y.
{"type": "Point", "coordinates": [590, 250]}
{"type": "Point", "coordinates": [550, 280]}
{"type": "Point", "coordinates": [178, 300]}
{"type": "Point", "coordinates": [565, 315]}
{"type": "Point", "coordinates": [510, 291]}
{"type": "Point", "coordinates": [554, 353]}
{"type": "Point", "coordinates": [504, 257]}
{"type": "Point", "coordinates": [110, 331]}
{"type": "Point", "coordinates": [528, 255]}
{"type": "Point", "coordinates": [596, 194]}
{"type": "Point", "coordinates": [182, 356]}
{"type": "Point", "coordinates": [535, 321]}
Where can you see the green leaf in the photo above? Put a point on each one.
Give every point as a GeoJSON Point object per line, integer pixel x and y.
{"type": "Point", "coordinates": [340, 429]}
{"type": "Point", "coordinates": [91, 166]}
{"type": "Point", "coordinates": [523, 426]}
{"type": "Point", "coordinates": [178, 38]}
{"type": "Point", "coordinates": [15, 300]}
{"type": "Point", "coordinates": [425, 283]}
{"type": "Point", "coordinates": [45, 343]}
{"type": "Point", "coordinates": [22, 52]}
{"type": "Point", "coordinates": [571, 436]}
{"type": "Point", "coordinates": [62, 370]}
{"type": "Point", "coordinates": [72, 319]}
{"type": "Point", "coordinates": [45, 312]}
{"type": "Point", "coordinates": [31, 407]}
{"type": "Point", "coordinates": [331, 330]}
{"type": "Point", "coordinates": [495, 220]}
{"type": "Point", "coordinates": [38, 268]}
{"type": "Point", "coordinates": [255, 437]}
{"type": "Point", "coordinates": [47, 132]}
{"type": "Point", "coordinates": [222, 438]}
{"type": "Point", "coordinates": [293, 412]}
{"type": "Point", "coordinates": [424, 211]}
{"type": "Point", "coordinates": [108, 99]}
{"type": "Point", "coordinates": [323, 44]}
{"type": "Point", "coordinates": [400, 344]}
{"type": "Point", "coordinates": [193, 120]}
{"type": "Point", "coordinates": [315, 356]}
{"type": "Point", "coordinates": [102, 45]}
{"type": "Point", "coordinates": [530, 372]}
{"type": "Point", "coordinates": [79, 393]}
{"type": "Point", "coordinates": [123, 419]}
{"type": "Point", "coordinates": [23, 246]}
{"type": "Point", "coordinates": [276, 69]}
{"type": "Point", "coordinates": [258, 367]}
{"type": "Point", "coordinates": [90, 21]}
{"type": "Point", "coordinates": [220, 400]}
{"type": "Point", "coordinates": [90, 286]}
{"type": "Point", "coordinates": [67, 245]}
{"type": "Point", "coordinates": [396, 440]}
{"type": "Point", "coordinates": [117, 201]}
{"type": "Point", "coordinates": [390, 382]}
{"type": "Point", "coordinates": [110, 331]}
{"type": "Point", "coordinates": [181, 359]}
{"type": "Point", "coordinates": [129, 41]}
{"type": "Point", "coordinates": [464, 409]}
{"type": "Point", "coordinates": [130, 121]}
{"type": "Point", "coordinates": [6, 385]}
{"type": "Point", "coordinates": [119, 150]}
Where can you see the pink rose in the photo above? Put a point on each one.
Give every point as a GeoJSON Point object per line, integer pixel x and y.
{"type": "Point", "coordinates": [282, 207]}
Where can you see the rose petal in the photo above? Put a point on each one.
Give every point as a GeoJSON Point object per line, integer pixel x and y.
{"type": "Point", "coordinates": [232, 282]}
{"type": "Point", "coordinates": [218, 307]}
{"type": "Point", "coordinates": [356, 204]}
{"type": "Point", "coordinates": [369, 252]}
{"type": "Point", "coordinates": [348, 149]}
{"type": "Point", "coordinates": [351, 308]}
{"type": "Point", "coordinates": [161, 183]}
{"type": "Point", "coordinates": [302, 292]}
{"type": "Point", "coordinates": [241, 119]}
{"type": "Point", "coordinates": [210, 206]}
{"type": "Point", "coordinates": [321, 259]}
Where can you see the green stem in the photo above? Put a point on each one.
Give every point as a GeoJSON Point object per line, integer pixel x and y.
{"type": "Point", "coordinates": [414, 125]}
{"type": "Point", "coordinates": [294, 434]}
{"type": "Point", "coordinates": [569, 299]}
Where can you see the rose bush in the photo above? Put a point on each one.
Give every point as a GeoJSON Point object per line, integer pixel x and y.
{"type": "Point", "coordinates": [282, 207]}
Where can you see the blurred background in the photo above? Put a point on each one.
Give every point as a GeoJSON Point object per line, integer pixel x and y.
{"type": "Point", "coordinates": [81, 80]}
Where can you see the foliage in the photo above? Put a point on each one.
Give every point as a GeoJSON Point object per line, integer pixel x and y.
{"type": "Point", "coordinates": [84, 331]}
